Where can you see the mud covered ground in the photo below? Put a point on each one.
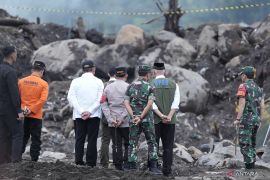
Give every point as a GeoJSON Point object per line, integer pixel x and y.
{"type": "Point", "coordinates": [65, 171]}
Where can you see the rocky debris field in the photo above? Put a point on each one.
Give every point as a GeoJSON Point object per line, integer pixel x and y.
{"type": "Point", "coordinates": [204, 63]}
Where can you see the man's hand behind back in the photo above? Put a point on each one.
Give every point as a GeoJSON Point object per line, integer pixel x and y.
{"type": "Point", "coordinates": [20, 116]}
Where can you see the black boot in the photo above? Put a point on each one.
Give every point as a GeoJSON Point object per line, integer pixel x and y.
{"type": "Point", "coordinates": [249, 165]}
{"type": "Point", "coordinates": [119, 167]}
{"type": "Point", "coordinates": [153, 168]}
{"type": "Point", "coordinates": [130, 166]}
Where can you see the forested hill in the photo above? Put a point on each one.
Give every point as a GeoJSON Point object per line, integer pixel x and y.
{"type": "Point", "coordinates": [46, 10]}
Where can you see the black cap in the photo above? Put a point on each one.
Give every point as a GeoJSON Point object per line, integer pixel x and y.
{"type": "Point", "coordinates": [159, 66]}
{"type": "Point", "coordinates": [8, 50]}
{"type": "Point", "coordinates": [39, 65]}
{"type": "Point", "coordinates": [120, 71]}
{"type": "Point", "coordinates": [88, 64]}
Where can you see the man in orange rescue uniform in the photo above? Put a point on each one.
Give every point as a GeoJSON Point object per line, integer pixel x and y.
{"type": "Point", "coordinates": [34, 93]}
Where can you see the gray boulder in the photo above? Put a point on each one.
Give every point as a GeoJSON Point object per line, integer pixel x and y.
{"type": "Point", "coordinates": [234, 62]}
{"type": "Point", "coordinates": [207, 41]}
{"type": "Point", "coordinates": [262, 30]}
{"type": "Point", "coordinates": [179, 52]}
{"type": "Point", "coordinates": [194, 89]}
{"type": "Point", "coordinates": [164, 36]}
{"type": "Point", "coordinates": [63, 58]}
{"type": "Point", "coordinates": [232, 41]}
{"type": "Point", "coordinates": [131, 35]}
{"type": "Point", "coordinates": [182, 152]}
{"type": "Point", "coordinates": [115, 55]}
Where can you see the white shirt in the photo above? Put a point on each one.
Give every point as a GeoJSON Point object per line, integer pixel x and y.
{"type": "Point", "coordinates": [85, 94]}
{"type": "Point", "coordinates": [176, 100]}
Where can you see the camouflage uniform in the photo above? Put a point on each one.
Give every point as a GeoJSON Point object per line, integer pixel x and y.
{"type": "Point", "coordinates": [250, 119]}
{"type": "Point", "coordinates": [138, 94]}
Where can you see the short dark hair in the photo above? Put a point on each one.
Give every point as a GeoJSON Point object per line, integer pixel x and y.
{"type": "Point", "coordinates": [112, 71]}
{"type": "Point", "coordinates": [143, 73]}
{"type": "Point", "coordinates": [88, 69]}
{"type": "Point", "coordinates": [8, 50]}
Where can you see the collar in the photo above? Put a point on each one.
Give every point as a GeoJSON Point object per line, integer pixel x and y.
{"type": "Point", "coordinates": [160, 76]}
{"type": "Point", "coordinates": [7, 64]}
{"type": "Point", "coordinates": [87, 74]}
{"type": "Point", "coordinates": [34, 74]}
{"type": "Point", "coordinates": [112, 79]}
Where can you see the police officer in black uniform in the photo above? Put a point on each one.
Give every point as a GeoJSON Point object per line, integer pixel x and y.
{"type": "Point", "coordinates": [11, 115]}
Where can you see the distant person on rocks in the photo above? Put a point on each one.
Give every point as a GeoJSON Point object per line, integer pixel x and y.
{"type": "Point", "coordinates": [167, 102]}
{"type": "Point", "coordinates": [251, 104]}
{"type": "Point", "coordinates": [138, 101]}
{"type": "Point", "coordinates": [116, 114]}
{"type": "Point", "coordinates": [11, 114]}
{"type": "Point", "coordinates": [85, 95]}
{"type": "Point", "coordinates": [34, 93]}
{"type": "Point", "coordinates": [106, 133]}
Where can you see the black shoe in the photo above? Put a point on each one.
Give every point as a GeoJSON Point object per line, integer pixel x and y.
{"type": "Point", "coordinates": [34, 159]}
{"type": "Point", "coordinates": [80, 163]}
{"type": "Point", "coordinates": [130, 166]}
{"type": "Point", "coordinates": [250, 165]}
{"type": "Point", "coordinates": [119, 167]}
{"type": "Point", "coordinates": [90, 165]}
{"type": "Point", "coordinates": [153, 168]}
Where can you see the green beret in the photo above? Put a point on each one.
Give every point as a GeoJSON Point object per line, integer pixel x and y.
{"type": "Point", "coordinates": [145, 68]}
{"type": "Point", "coordinates": [248, 71]}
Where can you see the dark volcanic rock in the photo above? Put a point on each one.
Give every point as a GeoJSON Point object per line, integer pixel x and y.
{"type": "Point", "coordinates": [94, 36]}
{"type": "Point", "coordinates": [4, 13]}
{"type": "Point", "coordinates": [47, 33]}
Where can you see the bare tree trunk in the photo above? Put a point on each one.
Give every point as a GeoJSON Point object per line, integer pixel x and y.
{"type": "Point", "coordinates": [172, 18]}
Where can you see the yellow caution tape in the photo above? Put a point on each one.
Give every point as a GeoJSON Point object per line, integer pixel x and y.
{"type": "Point", "coordinates": [188, 11]}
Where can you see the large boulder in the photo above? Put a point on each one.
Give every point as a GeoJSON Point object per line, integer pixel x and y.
{"type": "Point", "coordinates": [131, 35]}
{"type": "Point", "coordinates": [232, 41]}
{"type": "Point", "coordinates": [116, 55]}
{"type": "Point", "coordinates": [179, 52]}
{"type": "Point", "coordinates": [234, 62]}
{"type": "Point", "coordinates": [194, 89]}
{"type": "Point", "coordinates": [63, 58]}
{"type": "Point", "coordinates": [47, 33]}
{"type": "Point", "coordinates": [164, 36]}
{"type": "Point", "coordinates": [262, 31]}
{"type": "Point", "coordinates": [207, 41]}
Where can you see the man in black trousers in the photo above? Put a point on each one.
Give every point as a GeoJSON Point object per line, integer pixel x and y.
{"type": "Point", "coordinates": [106, 132]}
{"type": "Point", "coordinates": [11, 115]}
{"type": "Point", "coordinates": [167, 95]}
{"type": "Point", "coordinates": [85, 95]}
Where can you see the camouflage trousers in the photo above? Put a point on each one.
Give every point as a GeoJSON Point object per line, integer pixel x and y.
{"type": "Point", "coordinates": [247, 142]}
{"type": "Point", "coordinates": [134, 135]}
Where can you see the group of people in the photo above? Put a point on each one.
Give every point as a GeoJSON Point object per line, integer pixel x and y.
{"type": "Point", "coordinates": [21, 104]}
{"type": "Point", "coordinates": [147, 105]}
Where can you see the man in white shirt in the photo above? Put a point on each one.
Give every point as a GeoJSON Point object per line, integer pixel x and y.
{"type": "Point", "coordinates": [84, 95]}
{"type": "Point", "coordinates": [166, 104]}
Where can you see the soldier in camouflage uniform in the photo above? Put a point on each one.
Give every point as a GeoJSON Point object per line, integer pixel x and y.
{"type": "Point", "coordinates": [251, 104]}
{"type": "Point", "coordinates": [138, 101]}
